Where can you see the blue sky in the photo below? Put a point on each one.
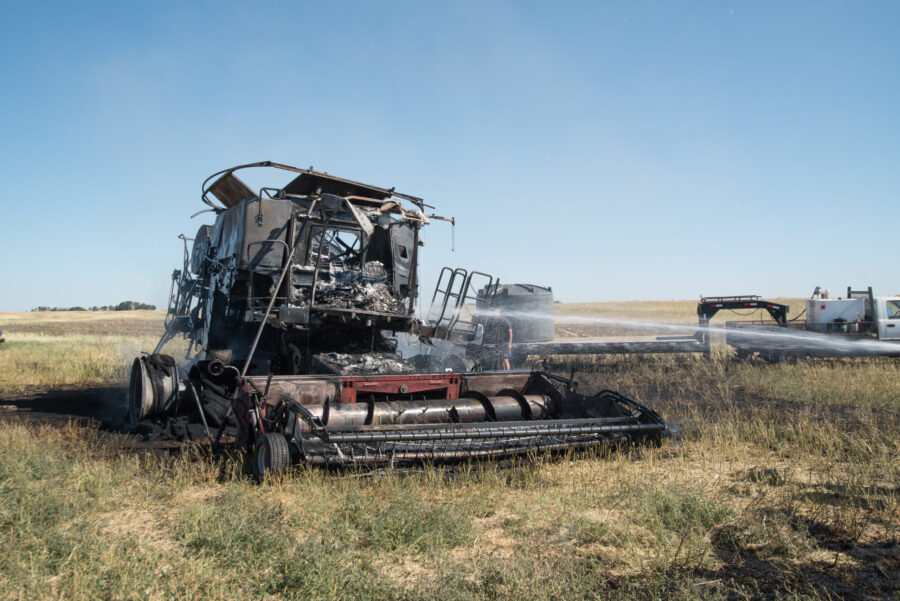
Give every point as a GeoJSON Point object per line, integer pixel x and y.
{"type": "Point", "coordinates": [614, 151]}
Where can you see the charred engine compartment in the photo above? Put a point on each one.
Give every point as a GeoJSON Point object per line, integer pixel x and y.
{"type": "Point", "coordinates": [320, 265]}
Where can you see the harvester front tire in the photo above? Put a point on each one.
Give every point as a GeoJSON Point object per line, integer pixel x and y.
{"type": "Point", "coordinates": [271, 455]}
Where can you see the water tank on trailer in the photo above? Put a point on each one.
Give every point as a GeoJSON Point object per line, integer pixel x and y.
{"type": "Point", "coordinates": [529, 309]}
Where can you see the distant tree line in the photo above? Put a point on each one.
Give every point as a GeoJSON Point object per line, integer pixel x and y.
{"type": "Point", "coordinates": [123, 306]}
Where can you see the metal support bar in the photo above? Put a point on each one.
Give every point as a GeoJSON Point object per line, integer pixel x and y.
{"type": "Point", "coordinates": [262, 324]}
{"type": "Point", "coordinates": [200, 409]}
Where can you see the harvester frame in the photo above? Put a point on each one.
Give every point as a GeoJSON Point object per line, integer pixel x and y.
{"type": "Point", "coordinates": [289, 405]}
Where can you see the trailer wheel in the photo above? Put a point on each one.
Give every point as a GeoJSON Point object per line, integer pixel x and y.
{"type": "Point", "coordinates": [271, 455]}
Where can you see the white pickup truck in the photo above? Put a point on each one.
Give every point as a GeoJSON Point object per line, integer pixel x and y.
{"type": "Point", "coordinates": [861, 324]}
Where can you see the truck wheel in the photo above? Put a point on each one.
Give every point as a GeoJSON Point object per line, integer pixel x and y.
{"type": "Point", "coordinates": [271, 455]}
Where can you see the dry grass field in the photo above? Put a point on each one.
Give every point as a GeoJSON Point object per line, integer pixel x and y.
{"type": "Point", "coordinates": [783, 484]}
{"type": "Point", "coordinates": [72, 349]}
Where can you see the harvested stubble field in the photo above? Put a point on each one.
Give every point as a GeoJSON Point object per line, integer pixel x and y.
{"type": "Point", "coordinates": [785, 484]}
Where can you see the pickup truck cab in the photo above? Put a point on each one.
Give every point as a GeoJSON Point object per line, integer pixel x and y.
{"type": "Point", "coordinates": [887, 316]}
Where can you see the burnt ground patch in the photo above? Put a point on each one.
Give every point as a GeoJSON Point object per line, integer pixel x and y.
{"type": "Point", "coordinates": [105, 405]}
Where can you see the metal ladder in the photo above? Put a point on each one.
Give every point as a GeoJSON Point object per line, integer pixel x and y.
{"type": "Point", "coordinates": [457, 290]}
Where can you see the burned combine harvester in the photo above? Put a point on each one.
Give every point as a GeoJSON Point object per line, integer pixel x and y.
{"type": "Point", "coordinates": [289, 301]}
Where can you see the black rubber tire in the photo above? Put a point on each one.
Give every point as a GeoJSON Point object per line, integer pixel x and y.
{"type": "Point", "coordinates": [271, 455]}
